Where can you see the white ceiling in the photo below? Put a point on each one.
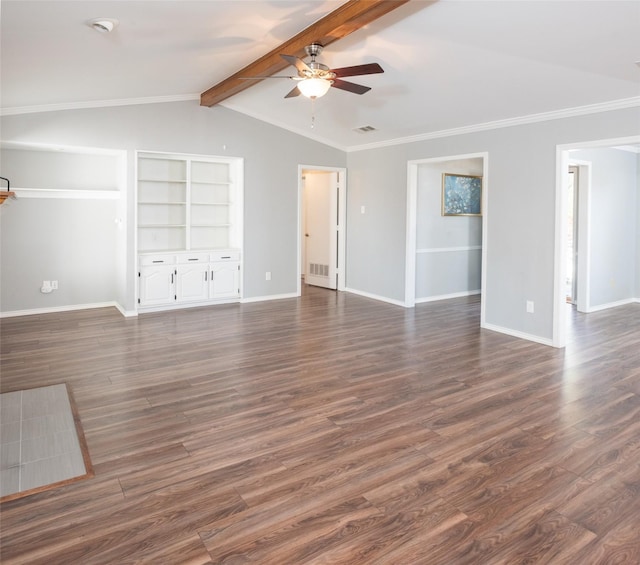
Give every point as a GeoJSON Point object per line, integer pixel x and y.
{"type": "Point", "coordinates": [448, 64]}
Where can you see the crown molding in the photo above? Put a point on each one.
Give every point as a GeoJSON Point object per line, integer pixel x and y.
{"type": "Point", "coordinates": [509, 122]}
{"type": "Point", "coordinates": [96, 104]}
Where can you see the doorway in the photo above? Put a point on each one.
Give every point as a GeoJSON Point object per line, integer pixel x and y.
{"type": "Point", "coordinates": [321, 221]}
{"type": "Point", "coordinates": [602, 274]}
{"type": "Point", "coordinates": [439, 266]}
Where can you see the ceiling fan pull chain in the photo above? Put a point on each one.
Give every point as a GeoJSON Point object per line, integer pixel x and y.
{"type": "Point", "coordinates": [313, 113]}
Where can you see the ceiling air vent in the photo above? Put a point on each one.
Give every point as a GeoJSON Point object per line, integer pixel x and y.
{"type": "Point", "coordinates": [365, 129]}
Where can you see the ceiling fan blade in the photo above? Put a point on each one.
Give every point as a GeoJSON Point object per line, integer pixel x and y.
{"type": "Point", "coordinates": [369, 69]}
{"type": "Point", "coordinates": [263, 77]}
{"type": "Point", "coordinates": [297, 63]}
{"type": "Point", "coordinates": [294, 92]}
{"type": "Point", "coordinates": [350, 86]}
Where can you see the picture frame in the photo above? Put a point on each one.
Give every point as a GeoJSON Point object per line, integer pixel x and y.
{"type": "Point", "coordinates": [461, 195]}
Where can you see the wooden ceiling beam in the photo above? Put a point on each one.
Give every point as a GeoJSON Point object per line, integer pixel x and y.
{"type": "Point", "coordinates": [344, 20]}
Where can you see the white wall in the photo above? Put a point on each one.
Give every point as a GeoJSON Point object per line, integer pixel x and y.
{"type": "Point", "coordinates": [520, 214]}
{"type": "Point", "coordinates": [271, 156]}
{"type": "Point", "coordinates": [448, 248]}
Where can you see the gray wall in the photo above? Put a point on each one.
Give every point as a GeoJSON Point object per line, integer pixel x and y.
{"type": "Point", "coordinates": [71, 241]}
{"type": "Point", "coordinates": [637, 286]}
{"type": "Point", "coordinates": [521, 194]}
{"type": "Point", "coordinates": [377, 180]}
{"type": "Point", "coordinates": [60, 170]}
{"type": "Point", "coordinates": [613, 224]}
{"type": "Point", "coordinates": [271, 157]}
{"type": "Point", "coordinates": [520, 214]}
{"type": "Point", "coordinates": [454, 271]}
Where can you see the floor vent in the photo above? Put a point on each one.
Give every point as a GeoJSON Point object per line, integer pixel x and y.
{"type": "Point", "coordinates": [365, 129]}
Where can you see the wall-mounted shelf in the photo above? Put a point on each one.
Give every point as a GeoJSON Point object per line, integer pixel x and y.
{"type": "Point", "coordinates": [67, 193]}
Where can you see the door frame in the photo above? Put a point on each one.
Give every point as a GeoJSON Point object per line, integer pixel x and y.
{"type": "Point", "coordinates": [342, 219]}
{"type": "Point", "coordinates": [563, 159]}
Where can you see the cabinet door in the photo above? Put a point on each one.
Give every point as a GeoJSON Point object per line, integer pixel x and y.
{"type": "Point", "coordinates": [192, 283]}
{"type": "Point", "coordinates": [225, 279]}
{"type": "Point", "coordinates": [156, 285]}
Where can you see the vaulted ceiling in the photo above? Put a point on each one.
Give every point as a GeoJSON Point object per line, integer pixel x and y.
{"type": "Point", "coordinates": [448, 64]}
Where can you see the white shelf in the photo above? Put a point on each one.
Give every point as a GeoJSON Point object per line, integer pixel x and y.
{"type": "Point", "coordinates": [66, 193]}
{"type": "Point", "coordinates": [145, 203]}
{"type": "Point", "coordinates": [162, 226]}
{"type": "Point", "coordinates": [188, 202]}
{"type": "Point", "coordinates": [164, 180]}
{"type": "Point", "coordinates": [210, 203]}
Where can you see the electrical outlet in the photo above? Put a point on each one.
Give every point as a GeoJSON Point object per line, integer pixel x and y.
{"type": "Point", "coordinates": [54, 285]}
{"type": "Point", "coordinates": [267, 276]}
{"type": "Point", "coordinates": [530, 306]}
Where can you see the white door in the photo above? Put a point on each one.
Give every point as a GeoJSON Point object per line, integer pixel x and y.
{"type": "Point", "coordinates": [321, 228]}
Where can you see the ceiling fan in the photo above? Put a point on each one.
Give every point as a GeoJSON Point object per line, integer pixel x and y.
{"type": "Point", "coordinates": [315, 79]}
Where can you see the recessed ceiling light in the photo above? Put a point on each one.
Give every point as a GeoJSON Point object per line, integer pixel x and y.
{"type": "Point", "coordinates": [103, 25]}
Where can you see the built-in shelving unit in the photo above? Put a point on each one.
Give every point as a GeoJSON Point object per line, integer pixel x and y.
{"type": "Point", "coordinates": [186, 204]}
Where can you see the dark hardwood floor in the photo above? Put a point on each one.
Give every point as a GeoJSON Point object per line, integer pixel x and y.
{"type": "Point", "coordinates": [334, 429]}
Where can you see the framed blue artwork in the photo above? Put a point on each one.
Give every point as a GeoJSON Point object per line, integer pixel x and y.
{"type": "Point", "coordinates": [461, 195]}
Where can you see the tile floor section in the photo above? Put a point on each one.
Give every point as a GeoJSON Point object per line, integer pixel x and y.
{"type": "Point", "coordinates": [39, 444]}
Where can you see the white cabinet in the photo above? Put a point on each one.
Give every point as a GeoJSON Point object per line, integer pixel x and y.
{"type": "Point", "coordinates": [156, 285]}
{"type": "Point", "coordinates": [225, 279]}
{"type": "Point", "coordinates": [192, 283]}
{"type": "Point", "coordinates": [187, 278]}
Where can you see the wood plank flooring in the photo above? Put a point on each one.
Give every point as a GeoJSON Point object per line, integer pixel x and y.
{"type": "Point", "coordinates": [334, 429]}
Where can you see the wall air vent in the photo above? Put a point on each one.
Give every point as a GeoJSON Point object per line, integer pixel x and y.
{"type": "Point", "coordinates": [365, 129]}
{"type": "Point", "coordinates": [318, 270]}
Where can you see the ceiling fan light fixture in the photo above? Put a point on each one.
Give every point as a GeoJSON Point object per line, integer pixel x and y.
{"type": "Point", "coordinates": [314, 87]}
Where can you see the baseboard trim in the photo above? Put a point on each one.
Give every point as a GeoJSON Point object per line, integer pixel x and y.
{"type": "Point", "coordinates": [520, 335]}
{"type": "Point", "coordinates": [376, 297]}
{"type": "Point", "coordinates": [269, 297]}
{"type": "Point", "coordinates": [125, 313]}
{"type": "Point", "coordinates": [448, 296]}
{"type": "Point", "coordinates": [184, 305]}
{"type": "Point", "coordinates": [55, 309]}
{"type": "Point", "coordinates": [600, 307]}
